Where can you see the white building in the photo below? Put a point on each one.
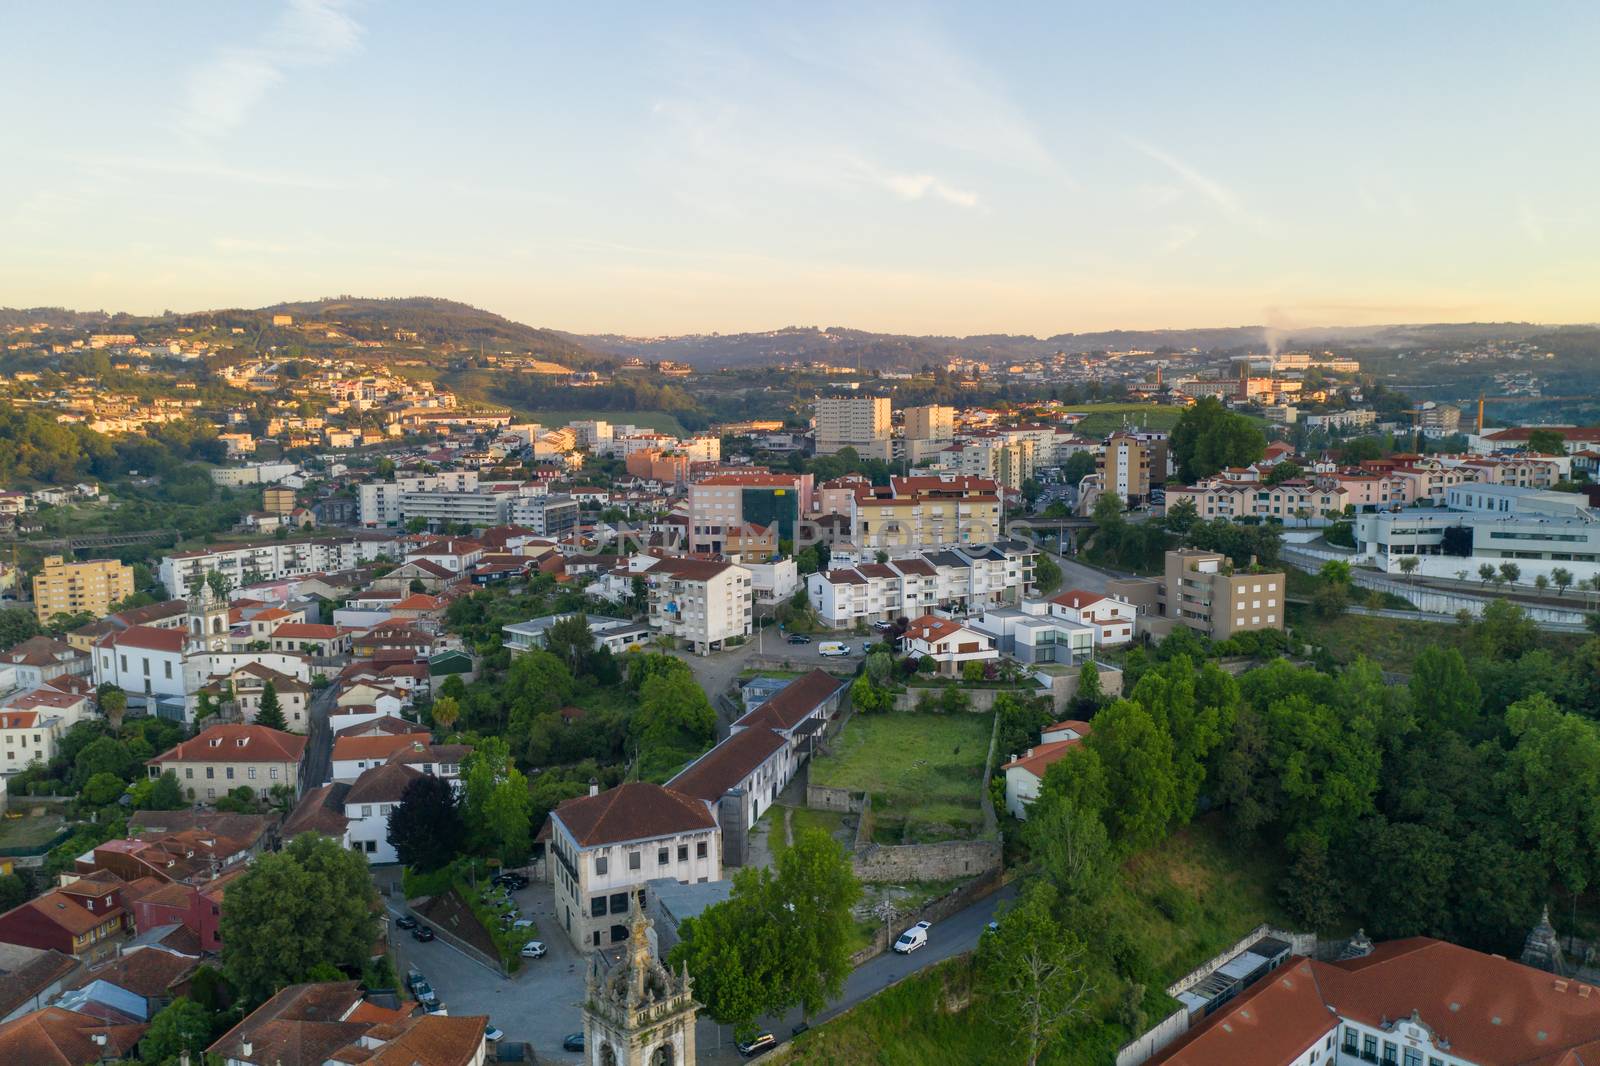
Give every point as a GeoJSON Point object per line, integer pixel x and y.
{"type": "Point", "coordinates": [603, 847]}
{"type": "Point", "coordinates": [948, 643]}
{"type": "Point", "coordinates": [1025, 770]}
{"type": "Point", "coordinates": [617, 634]}
{"type": "Point", "coordinates": [1113, 619]}
{"type": "Point", "coordinates": [957, 579]}
{"type": "Point", "coordinates": [859, 422]}
{"type": "Point", "coordinates": [702, 603]}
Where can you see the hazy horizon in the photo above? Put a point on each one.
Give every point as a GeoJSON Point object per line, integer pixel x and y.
{"type": "Point", "coordinates": [923, 170]}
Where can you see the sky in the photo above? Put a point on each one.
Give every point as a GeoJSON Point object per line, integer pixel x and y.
{"type": "Point", "coordinates": [931, 169]}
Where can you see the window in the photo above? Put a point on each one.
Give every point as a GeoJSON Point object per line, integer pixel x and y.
{"type": "Point", "coordinates": [662, 857]}
{"type": "Point", "coordinates": [619, 903]}
{"type": "Point", "coordinates": [683, 853]}
{"type": "Point", "coordinates": [188, 773]}
{"type": "Point", "coordinates": [1389, 1051]}
{"type": "Point", "coordinates": [1369, 1047]}
{"type": "Point", "coordinates": [251, 773]}
{"type": "Point", "coordinates": [1352, 1042]}
{"type": "Point", "coordinates": [1413, 1057]}
{"type": "Point", "coordinates": [597, 908]}
{"type": "Point", "coordinates": [634, 860]}
{"type": "Point", "coordinates": [211, 793]}
{"type": "Point", "coordinates": [273, 773]}
{"type": "Point", "coordinates": [168, 666]}
{"type": "Point", "coordinates": [366, 810]}
{"type": "Point", "coordinates": [602, 866]}
{"type": "Point", "coordinates": [211, 772]}
{"type": "Point", "coordinates": [229, 771]}
{"type": "Point", "coordinates": [700, 850]}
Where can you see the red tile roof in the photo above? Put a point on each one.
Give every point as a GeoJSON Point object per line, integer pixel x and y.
{"type": "Point", "coordinates": [378, 747]}
{"type": "Point", "coordinates": [237, 743]}
{"type": "Point", "coordinates": [149, 638]}
{"type": "Point", "coordinates": [637, 810]}
{"type": "Point", "coordinates": [306, 631]}
{"type": "Point", "coordinates": [1077, 599]}
{"type": "Point", "coordinates": [793, 703]}
{"type": "Point", "coordinates": [727, 764]}
{"type": "Point", "coordinates": [1039, 758]}
{"type": "Point", "coordinates": [930, 628]}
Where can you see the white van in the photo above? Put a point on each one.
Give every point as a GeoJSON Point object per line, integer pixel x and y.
{"type": "Point", "coordinates": [913, 938]}
{"type": "Point", "coordinates": [833, 648]}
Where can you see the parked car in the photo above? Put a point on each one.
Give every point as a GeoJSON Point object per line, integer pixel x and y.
{"type": "Point", "coordinates": [523, 923]}
{"type": "Point", "coordinates": [883, 627]}
{"type": "Point", "coordinates": [913, 938]}
{"type": "Point", "coordinates": [533, 949]}
{"type": "Point", "coordinates": [425, 994]}
{"type": "Point", "coordinates": [495, 1033]}
{"type": "Point", "coordinates": [867, 646]}
{"type": "Point", "coordinates": [422, 933]}
{"type": "Point", "coordinates": [406, 921]}
{"type": "Point", "coordinates": [511, 882]}
{"type": "Point", "coordinates": [799, 638]}
{"type": "Point", "coordinates": [757, 1044]}
{"type": "Point", "coordinates": [414, 978]}
{"type": "Point", "coordinates": [833, 647]}
{"type": "Point", "coordinates": [573, 1042]}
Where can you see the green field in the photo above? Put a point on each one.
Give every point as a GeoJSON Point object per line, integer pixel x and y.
{"type": "Point", "coordinates": [1104, 418]}
{"type": "Point", "coordinates": [1394, 643]}
{"type": "Point", "coordinates": [925, 772]}
{"type": "Point", "coordinates": [1175, 906]}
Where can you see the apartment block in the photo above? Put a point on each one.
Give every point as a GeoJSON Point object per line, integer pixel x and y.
{"type": "Point", "coordinates": [722, 505]}
{"type": "Point", "coordinates": [859, 422]}
{"type": "Point", "coordinates": [925, 512]}
{"type": "Point", "coordinates": [1130, 466]}
{"type": "Point", "coordinates": [702, 603]}
{"type": "Point", "coordinates": [933, 422]}
{"type": "Point", "coordinates": [80, 588]}
{"type": "Point", "coordinates": [1204, 591]}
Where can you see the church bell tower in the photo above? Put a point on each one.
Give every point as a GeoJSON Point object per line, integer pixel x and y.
{"type": "Point", "coordinates": [639, 1013]}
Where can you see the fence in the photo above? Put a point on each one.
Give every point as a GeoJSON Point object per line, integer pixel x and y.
{"type": "Point", "coordinates": [1428, 600]}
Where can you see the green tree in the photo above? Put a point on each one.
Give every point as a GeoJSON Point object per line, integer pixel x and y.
{"type": "Point", "coordinates": [972, 671]}
{"type": "Point", "coordinates": [1141, 784]}
{"type": "Point", "coordinates": [101, 789]}
{"type": "Point", "coordinates": [813, 892]}
{"type": "Point", "coordinates": [1511, 573]}
{"type": "Point", "coordinates": [868, 697]}
{"type": "Point", "coordinates": [1046, 574]}
{"type": "Point", "coordinates": [1486, 573]}
{"type": "Point", "coordinates": [446, 711]}
{"type": "Point", "coordinates": [1444, 695]}
{"type": "Point", "coordinates": [165, 794]}
{"type": "Point", "coordinates": [1089, 694]}
{"type": "Point", "coordinates": [181, 1028]}
{"type": "Point", "coordinates": [1283, 471]}
{"type": "Point", "coordinates": [1208, 437]}
{"type": "Point", "coordinates": [1561, 578]}
{"type": "Point", "coordinates": [425, 827]}
{"type": "Point", "coordinates": [673, 723]}
{"type": "Point", "coordinates": [735, 969]}
{"type": "Point", "coordinates": [313, 902]}
{"type": "Point", "coordinates": [17, 624]}
{"type": "Point", "coordinates": [1547, 442]}
{"type": "Point", "coordinates": [1068, 843]}
{"type": "Point", "coordinates": [13, 892]}
{"type": "Point", "coordinates": [497, 805]}
{"type": "Point", "coordinates": [113, 704]}
{"type": "Point", "coordinates": [571, 641]}
{"type": "Point", "coordinates": [270, 711]}
{"type": "Point", "coordinates": [1032, 973]}
{"type": "Point", "coordinates": [1552, 777]}
{"type": "Point", "coordinates": [1181, 516]}
{"type": "Point", "coordinates": [102, 755]}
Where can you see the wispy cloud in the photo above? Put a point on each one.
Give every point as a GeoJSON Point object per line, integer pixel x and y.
{"type": "Point", "coordinates": [1219, 195]}
{"type": "Point", "coordinates": [1178, 238]}
{"type": "Point", "coordinates": [222, 91]}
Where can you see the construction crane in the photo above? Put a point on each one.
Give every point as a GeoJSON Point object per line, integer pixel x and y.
{"type": "Point", "coordinates": [1525, 399]}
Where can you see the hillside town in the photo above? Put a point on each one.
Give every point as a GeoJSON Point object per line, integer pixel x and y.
{"type": "Point", "coordinates": [365, 722]}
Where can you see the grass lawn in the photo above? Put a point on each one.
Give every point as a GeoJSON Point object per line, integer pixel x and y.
{"type": "Point", "coordinates": [1104, 418]}
{"type": "Point", "coordinates": [1175, 906]}
{"type": "Point", "coordinates": [29, 831]}
{"type": "Point", "coordinates": [922, 769]}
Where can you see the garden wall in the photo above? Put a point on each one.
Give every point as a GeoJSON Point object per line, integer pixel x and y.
{"type": "Point", "coordinates": [943, 861]}
{"type": "Point", "coordinates": [842, 800]}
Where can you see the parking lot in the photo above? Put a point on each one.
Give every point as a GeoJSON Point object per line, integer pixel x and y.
{"type": "Point", "coordinates": [540, 1003]}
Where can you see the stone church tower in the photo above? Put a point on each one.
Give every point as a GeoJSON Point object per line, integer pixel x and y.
{"type": "Point", "coordinates": [208, 619]}
{"type": "Point", "coordinates": [640, 1013]}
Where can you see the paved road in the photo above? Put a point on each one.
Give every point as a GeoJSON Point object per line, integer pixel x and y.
{"type": "Point", "coordinates": [319, 748]}
{"type": "Point", "coordinates": [954, 935]}
{"type": "Point", "coordinates": [1076, 575]}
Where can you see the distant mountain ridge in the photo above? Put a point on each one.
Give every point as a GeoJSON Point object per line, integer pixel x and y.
{"type": "Point", "coordinates": [462, 327]}
{"type": "Point", "coordinates": [887, 350]}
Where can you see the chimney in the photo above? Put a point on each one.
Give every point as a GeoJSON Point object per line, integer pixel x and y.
{"type": "Point", "coordinates": [246, 1049]}
{"type": "Point", "coordinates": [594, 787]}
{"type": "Point", "coordinates": [99, 1038]}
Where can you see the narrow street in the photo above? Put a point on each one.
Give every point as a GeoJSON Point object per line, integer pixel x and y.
{"type": "Point", "coordinates": [319, 747]}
